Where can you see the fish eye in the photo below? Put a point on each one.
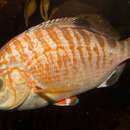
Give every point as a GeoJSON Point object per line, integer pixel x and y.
{"type": "Point", "coordinates": [1, 84]}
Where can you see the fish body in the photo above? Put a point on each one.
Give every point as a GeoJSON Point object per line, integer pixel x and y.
{"type": "Point", "coordinates": [56, 60]}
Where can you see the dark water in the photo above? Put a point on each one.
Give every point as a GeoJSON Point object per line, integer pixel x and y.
{"type": "Point", "coordinates": [98, 109]}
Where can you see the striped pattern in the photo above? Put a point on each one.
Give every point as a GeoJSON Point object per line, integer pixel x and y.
{"type": "Point", "coordinates": [58, 56]}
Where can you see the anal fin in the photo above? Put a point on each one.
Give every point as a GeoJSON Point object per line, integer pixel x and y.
{"type": "Point", "coordinates": [68, 101]}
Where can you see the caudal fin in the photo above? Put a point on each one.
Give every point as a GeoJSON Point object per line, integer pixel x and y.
{"type": "Point", "coordinates": [125, 47]}
{"type": "Point", "coordinates": [127, 42]}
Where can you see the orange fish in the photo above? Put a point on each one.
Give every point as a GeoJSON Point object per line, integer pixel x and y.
{"type": "Point", "coordinates": [55, 60]}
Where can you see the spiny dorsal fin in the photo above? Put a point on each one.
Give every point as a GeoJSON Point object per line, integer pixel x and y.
{"type": "Point", "coordinates": [96, 23]}
{"type": "Point", "coordinates": [101, 26]}
{"type": "Point", "coordinates": [49, 23]}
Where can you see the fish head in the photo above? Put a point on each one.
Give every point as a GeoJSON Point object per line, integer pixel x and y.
{"type": "Point", "coordinates": [14, 87]}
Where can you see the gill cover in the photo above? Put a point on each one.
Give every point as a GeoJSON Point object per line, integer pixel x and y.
{"type": "Point", "coordinates": [14, 88]}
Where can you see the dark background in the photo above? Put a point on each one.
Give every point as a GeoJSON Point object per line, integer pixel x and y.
{"type": "Point", "coordinates": [98, 109]}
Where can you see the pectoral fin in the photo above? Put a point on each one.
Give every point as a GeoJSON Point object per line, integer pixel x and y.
{"type": "Point", "coordinates": [52, 95]}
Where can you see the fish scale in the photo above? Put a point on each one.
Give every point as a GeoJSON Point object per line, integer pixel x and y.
{"type": "Point", "coordinates": [73, 54]}
{"type": "Point", "coordinates": [61, 60]}
{"type": "Point", "coordinates": [54, 44]}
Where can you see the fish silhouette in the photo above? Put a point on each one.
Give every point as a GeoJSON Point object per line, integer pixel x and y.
{"type": "Point", "coordinates": [56, 60]}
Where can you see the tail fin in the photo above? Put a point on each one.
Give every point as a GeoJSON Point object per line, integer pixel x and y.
{"type": "Point", "coordinates": [125, 44]}
{"type": "Point", "coordinates": [128, 46]}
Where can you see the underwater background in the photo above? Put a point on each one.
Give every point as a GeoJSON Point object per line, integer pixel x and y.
{"type": "Point", "coordinates": [98, 109]}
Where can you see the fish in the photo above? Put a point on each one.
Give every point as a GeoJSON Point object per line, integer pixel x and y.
{"type": "Point", "coordinates": [55, 61]}
{"type": "Point", "coordinates": [99, 24]}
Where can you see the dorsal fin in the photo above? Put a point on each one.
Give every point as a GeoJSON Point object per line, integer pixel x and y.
{"type": "Point", "coordinates": [58, 21]}
{"type": "Point", "coordinates": [100, 26]}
